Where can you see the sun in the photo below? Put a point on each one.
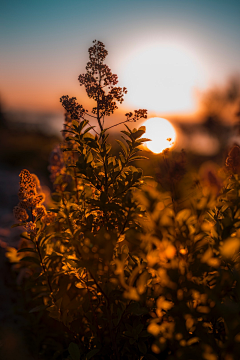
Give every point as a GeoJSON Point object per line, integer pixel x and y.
{"type": "Point", "coordinates": [161, 133]}
{"type": "Point", "coordinates": [163, 78]}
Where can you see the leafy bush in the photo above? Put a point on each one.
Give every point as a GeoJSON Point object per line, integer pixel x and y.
{"type": "Point", "coordinates": [129, 270]}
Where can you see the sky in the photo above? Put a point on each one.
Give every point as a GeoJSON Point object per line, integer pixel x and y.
{"type": "Point", "coordinates": [164, 51]}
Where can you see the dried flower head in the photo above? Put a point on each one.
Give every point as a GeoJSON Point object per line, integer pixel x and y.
{"type": "Point", "coordinates": [233, 159]}
{"type": "Point", "coordinates": [27, 181]}
{"type": "Point", "coordinates": [99, 81]}
{"type": "Point", "coordinates": [26, 193]}
{"type": "Point", "coordinates": [32, 201]}
{"type": "Point", "coordinates": [30, 227]}
{"type": "Point", "coordinates": [49, 218]}
{"type": "Point", "coordinates": [171, 168]}
{"type": "Point", "coordinates": [36, 181]}
{"type": "Point", "coordinates": [57, 164]}
{"type": "Point", "coordinates": [209, 175]}
{"type": "Point", "coordinates": [39, 211]}
{"type": "Point", "coordinates": [71, 106]}
{"type": "Point", "coordinates": [20, 214]}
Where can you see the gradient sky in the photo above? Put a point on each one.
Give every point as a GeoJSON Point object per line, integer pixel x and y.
{"type": "Point", "coordinates": [44, 46]}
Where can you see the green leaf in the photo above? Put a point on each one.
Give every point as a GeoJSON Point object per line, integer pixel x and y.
{"type": "Point", "coordinates": [74, 351]}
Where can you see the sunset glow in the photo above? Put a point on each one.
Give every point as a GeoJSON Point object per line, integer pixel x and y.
{"type": "Point", "coordinates": [161, 133]}
{"type": "Point", "coordinates": [163, 78]}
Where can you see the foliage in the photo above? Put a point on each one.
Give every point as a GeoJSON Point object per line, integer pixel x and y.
{"type": "Point", "coordinates": [130, 270]}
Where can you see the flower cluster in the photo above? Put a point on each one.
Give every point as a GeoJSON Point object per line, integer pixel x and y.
{"type": "Point", "coordinates": [100, 83]}
{"type": "Point", "coordinates": [72, 107]}
{"type": "Point", "coordinates": [57, 165]}
{"type": "Point", "coordinates": [30, 202]}
{"type": "Point", "coordinates": [233, 159]}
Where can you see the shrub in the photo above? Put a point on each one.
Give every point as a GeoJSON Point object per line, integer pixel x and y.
{"type": "Point", "coordinates": [129, 270]}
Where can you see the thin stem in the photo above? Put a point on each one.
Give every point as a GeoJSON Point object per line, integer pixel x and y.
{"type": "Point", "coordinates": [113, 338]}
{"type": "Point", "coordinates": [95, 117]}
{"type": "Point", "coordinates": [122, 122]}
{"type": "Point", "coordinates": [44, 268]}
{"type": "Point", "coordinates": [99, 288]}
{"type": "Point", "coordinates": [91, 305]}
{"type": "Point", "coordinates": [76, 184]}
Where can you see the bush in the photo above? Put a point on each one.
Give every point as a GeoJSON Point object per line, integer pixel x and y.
{"type": "Point", "coordinates": [129, 270]}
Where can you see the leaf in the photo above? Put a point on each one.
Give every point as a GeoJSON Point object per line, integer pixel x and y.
{"type": "Point", "coordinates": [230, 247]}
{"type": "Point", "coordinates": [75, 123]}
{"type": "Point", "coordinates": [183, 215]}
{"type": "Point", "coordinates": [38, 308]}
{"type": "Point", "coordinates": [150, 357]}
{"type": "Point", "coordinates": [138, 134]}
{"type": "Point", "coordinates": [25, 235]}
{"type": "Point", "coordinates": [123, 146]}
{"type": "Point", "coordinates": [74, 351]}
{"type": "Point", "coordinates": [142, 347]}
{"type": "Point", "coordinates": [88, 129]}
{"type": "Point", "coordinates": [134, 158]}
{"type": "Point", "coordinates": [82, 124]}
{"type": "Point", "coordinates": [89, 157]}
{"type": "Point", "coordinates": [31, 259]}
{"type": "Point", "coordinates": [27, 250]}
{"type": "Point", "coordinates": [126, 133]}
{"type": "Point", "coordinates": [131, 294]}
{"type": "Point", "coordinates": [91, 353]}
{"type": "Point", "coordinates": [142, 140]}
{"type": "Point", "coordinates": [142, 282]}
{"type": "Point", "coordinates": [144, 334]}
{"type": "Point", "coordinates": [88, 136]}
{"type": "Point", "coordinates": [12, 255]}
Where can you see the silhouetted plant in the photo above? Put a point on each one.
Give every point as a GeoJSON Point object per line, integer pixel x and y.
{"type": "Point", "coordinates": [126, 269]}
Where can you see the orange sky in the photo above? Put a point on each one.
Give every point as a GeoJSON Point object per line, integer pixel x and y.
{"type": "Point", "coordinates": [163, 52]}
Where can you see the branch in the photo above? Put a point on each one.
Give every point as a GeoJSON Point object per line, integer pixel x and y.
{"type": "Point", "coordinates": [122, 122]}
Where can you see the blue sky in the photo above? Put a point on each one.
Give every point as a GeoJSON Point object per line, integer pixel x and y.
{"type": "Point", "coordinates": [44, 43]}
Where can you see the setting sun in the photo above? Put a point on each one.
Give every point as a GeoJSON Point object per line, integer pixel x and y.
{"type": "Point", "coordinates": [161, 133]}
{"type": "Point", "coordinates": [163, 78]}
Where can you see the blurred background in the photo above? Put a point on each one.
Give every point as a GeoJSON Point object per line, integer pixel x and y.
{"type": "Point", "coordinates": [178, 59]}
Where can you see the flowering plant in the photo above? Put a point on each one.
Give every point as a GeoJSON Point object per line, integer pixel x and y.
{"type": "Point", "coordinates": [129, 270]}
